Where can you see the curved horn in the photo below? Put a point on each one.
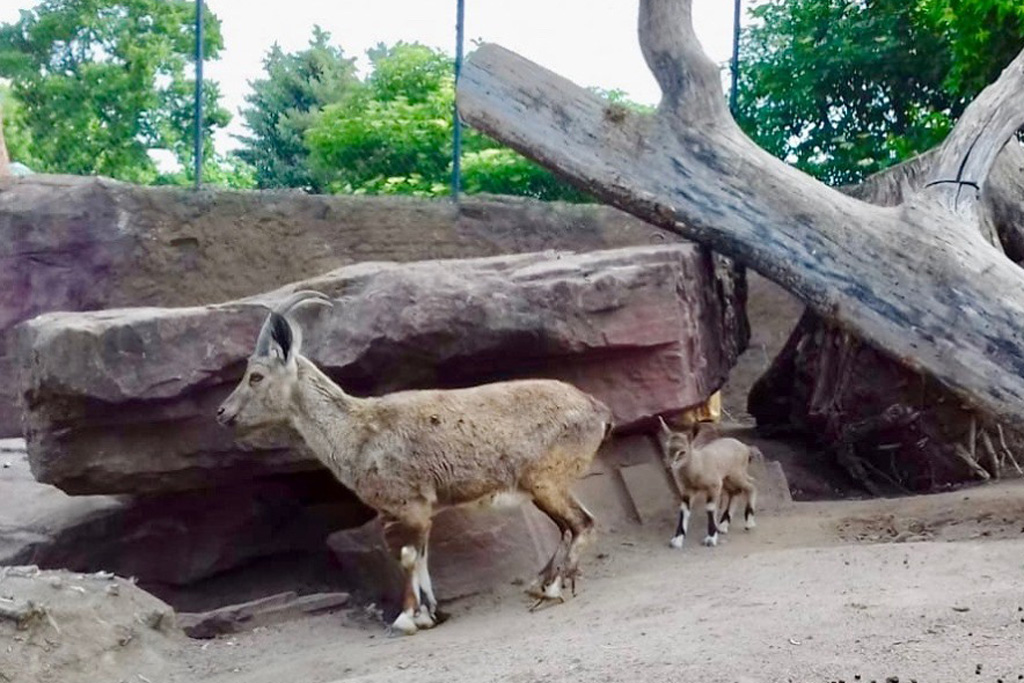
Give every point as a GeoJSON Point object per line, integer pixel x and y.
{"type": "Point", "coordinates": [300, 298]}
{"type": "Point", "coordinates": [282, 310]}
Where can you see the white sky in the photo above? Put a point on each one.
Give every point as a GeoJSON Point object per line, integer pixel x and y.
{"type": "Point", "coordinates": [592, 42]}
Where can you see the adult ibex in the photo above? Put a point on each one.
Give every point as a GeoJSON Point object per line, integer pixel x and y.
{"type": "Point", "coordinates": [409, 453]}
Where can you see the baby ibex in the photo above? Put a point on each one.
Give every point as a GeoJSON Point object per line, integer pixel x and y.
{"type": "Point", "coordinates": [409, 453]}
{"type": "Point", "coordinates": [712, 465]}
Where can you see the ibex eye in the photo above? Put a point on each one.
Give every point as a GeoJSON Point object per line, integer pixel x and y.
{"type": "Point", "coordinates": [255, 378]}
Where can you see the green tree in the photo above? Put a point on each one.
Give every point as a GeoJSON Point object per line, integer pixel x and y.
{"type": "Point", "coordinates": [101, 82]}
{"type": "Point", "coordinates": [499, 170]}
{"type": "Point", "coordinates": [283, 105]}
{"type": "Point", "coordinates": [16, 135]}
{"type": "Point", "coordinates": [393, 135]}
{"type": "Point", "coordinates": [219, 170]}
{"type": "Point", "coordinates": [983, 36]}
{"type": "Point", "coordinates": [843, 89]}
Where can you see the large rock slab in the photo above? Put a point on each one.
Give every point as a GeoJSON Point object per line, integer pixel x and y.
{"type": "Point", "coordinates": [78, 244]}
{"type": "Point", "coordinates": [123, 401]}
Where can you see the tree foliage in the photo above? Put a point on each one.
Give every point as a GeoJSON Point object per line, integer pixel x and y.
{"type": "Point", "coordinates": [983, 37]}
{"type": "Point", "coordinates": [100, 82]}
{"type": "Point", "coordinates": [393, 135]}
{"type": "Point", "coordinates": [219, 170]}
{"type": "Point", "coordinates": [283, 105]}
{"type": "Point", "coordinates": [16, 135]}
{"type": "Point", "coordinates": [842, 89]}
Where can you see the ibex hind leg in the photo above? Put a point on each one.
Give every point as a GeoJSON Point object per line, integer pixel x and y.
{"type": "Point", "coordinates": [572, 519]}
{"type": "Point", "coordinates": [583, 533]}
{"type": "Point", "coordinates": [547, 585]}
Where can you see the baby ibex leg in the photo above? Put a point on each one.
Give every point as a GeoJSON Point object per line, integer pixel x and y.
{"type": "Point", "coordinates": [683, 524]}
{"type": "Point", "coordinates": [711, 540]}
{"type": "Point", "coordinates": [751, 503]}
{"type": "Point", "coordinates": [728, 502]}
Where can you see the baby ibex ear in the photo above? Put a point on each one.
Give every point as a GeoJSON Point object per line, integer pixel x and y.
{"type": "Point", "coordinates": [664, 427]}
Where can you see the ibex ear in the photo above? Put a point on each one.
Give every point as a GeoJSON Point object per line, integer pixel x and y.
{"type": "Point", "coordinates": [276, 338]}
{"type": "Point", "coordinates": [282, 339]}
{"type": "Point", "coordinates": [279, 337]}
{"type": "Point", "coordinates": [664, 427]}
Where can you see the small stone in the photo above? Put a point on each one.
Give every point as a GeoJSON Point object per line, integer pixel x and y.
{"type": "Point", "coordinates": [56, 582]}
{"type": "Point", "coordinates": [113, 589]}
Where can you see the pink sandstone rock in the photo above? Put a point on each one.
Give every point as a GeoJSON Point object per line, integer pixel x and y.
{"type": "Point", "coordinates": [123, 401]}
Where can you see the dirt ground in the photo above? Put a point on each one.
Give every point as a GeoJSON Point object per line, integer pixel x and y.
{"type": "Point", "coordinates": [927, 588]}
{"type": "Point", "coordinates": [58, 626]}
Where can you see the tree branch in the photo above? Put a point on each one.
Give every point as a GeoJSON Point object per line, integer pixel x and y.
{"type": "Point", "coordinates": [690, 82]}
{"type": "Point", "coordinates": [913, 281]}
{"type": "Point", "coordinates": [967, 155]}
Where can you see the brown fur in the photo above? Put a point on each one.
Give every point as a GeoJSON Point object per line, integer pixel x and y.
{"type": "Point", "coordinates": [409, 453]}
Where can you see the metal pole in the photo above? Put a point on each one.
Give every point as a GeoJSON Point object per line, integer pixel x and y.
{"type": "Point", "coordinates": [198, 152]}
{"type": "Point", "coordinates": [456, 123]}
{"type": "Point", "coordinates": [735, 65]}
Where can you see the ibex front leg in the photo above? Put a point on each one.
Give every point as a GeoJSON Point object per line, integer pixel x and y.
{"type": "Point", "coordinates": [418, 601]}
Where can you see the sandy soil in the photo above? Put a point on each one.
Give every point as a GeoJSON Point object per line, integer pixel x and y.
{"type": "Point", "coordinates": [58, 626]}
{"type": "Point", "coordinates": [926, 588]}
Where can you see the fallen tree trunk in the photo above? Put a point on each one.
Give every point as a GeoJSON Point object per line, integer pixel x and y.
{"type": "Point", "coordinates": [918, 280]}
{"type": "Point", "coordinates": [842, 394]}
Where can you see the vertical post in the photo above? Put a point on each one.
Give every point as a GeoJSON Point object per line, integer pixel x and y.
{"type": "Point", "coordinates": [735, 62]}
{"type": "Point", "coordinates": [198, 150]}
{"type": "Point", "coordinates": [456, 122]}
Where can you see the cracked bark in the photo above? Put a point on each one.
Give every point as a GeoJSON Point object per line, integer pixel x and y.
{"type": "Point", "coordinates": [917, 280]}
